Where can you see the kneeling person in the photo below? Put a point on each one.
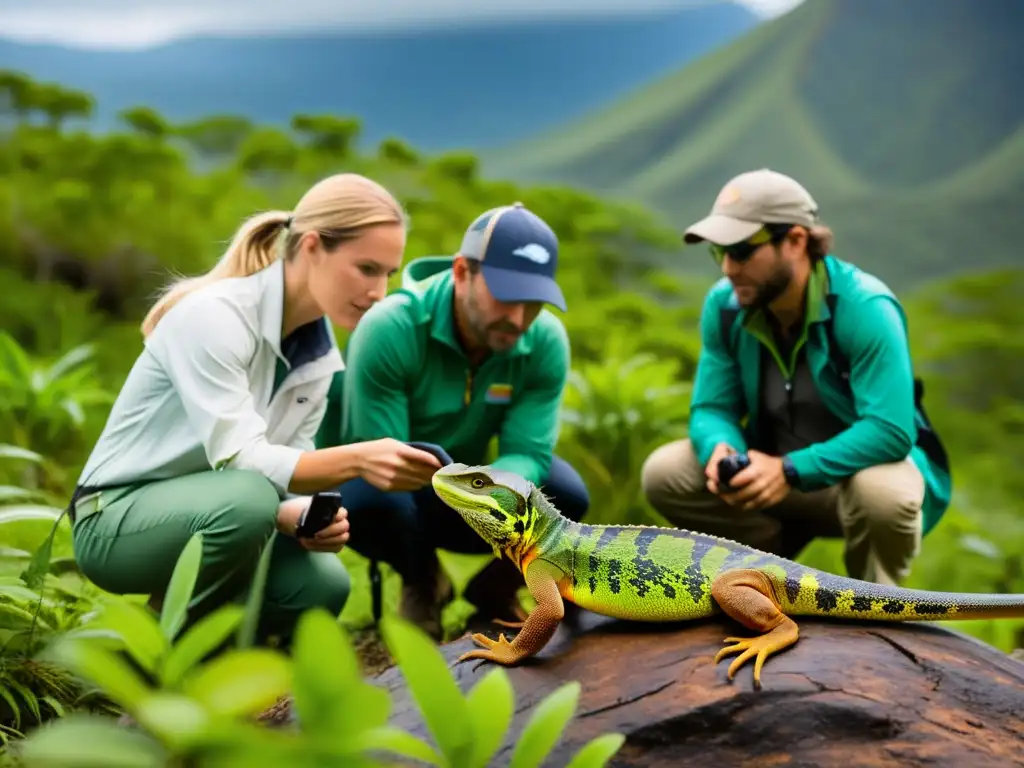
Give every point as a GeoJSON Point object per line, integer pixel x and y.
{"type": "Point", "coordinates": [813, 353]}
{"type": "Point", "coordinates": [463, 353]}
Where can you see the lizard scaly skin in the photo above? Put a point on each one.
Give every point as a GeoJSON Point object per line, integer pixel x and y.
{"type": "Point", "coordinates": [649, 573]}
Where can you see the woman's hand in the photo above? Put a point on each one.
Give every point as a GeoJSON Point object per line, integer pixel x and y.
{"type": "Point", "coordinates": [331, 539]}
{"type": "Point", "coordinates": [391, 465]}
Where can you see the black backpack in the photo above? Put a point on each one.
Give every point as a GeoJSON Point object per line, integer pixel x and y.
{"type": "Point", "coordinates": [927, 437]}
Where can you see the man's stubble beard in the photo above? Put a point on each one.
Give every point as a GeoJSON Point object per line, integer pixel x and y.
{"type": "Point", "coordinates": [775, 285]}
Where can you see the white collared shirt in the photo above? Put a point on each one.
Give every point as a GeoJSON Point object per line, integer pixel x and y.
{"type": "Point", "coordinates": [199, 396]}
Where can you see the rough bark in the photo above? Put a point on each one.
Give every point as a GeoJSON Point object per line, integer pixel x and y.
{"type": "Point", "coordinates": [846, 694]}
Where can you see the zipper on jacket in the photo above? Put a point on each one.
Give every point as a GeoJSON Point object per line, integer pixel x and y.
{"type": "Point", "coordinates": [468, 394]}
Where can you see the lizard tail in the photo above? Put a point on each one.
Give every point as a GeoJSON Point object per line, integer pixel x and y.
{"type": "Point", "coordinates": [814, 593]}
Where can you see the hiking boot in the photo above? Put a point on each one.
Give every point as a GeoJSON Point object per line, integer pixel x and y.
{"type": "Point", "coordinates": [423, 598]}
{"type": "Point", "coordinates": [493, 593]}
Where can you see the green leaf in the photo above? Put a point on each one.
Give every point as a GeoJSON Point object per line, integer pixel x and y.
{"type": "Point", "coordinates": [139, 630]}
{"type": "Point", "coordinates": [10, 493]}
{"type": "Point", "coordinates": [16, 452]}
{"type": "Point", "coordinates": [179, 722]}
{"type": "Point", "coordinates": [105, 669]}
{"type": "Point", "coordinates": [19, 512]}
{"type": "Point", "coordinates": [597, 752]}
{"type": "Point", "coordinates": [331, 698]}
{"type": "Point", "coordinates": [205, 636]}
{"type": "Point", "coordinates": [179, 589]}
{"type": "Point", "coordinates": [398, 742]}
{"type": "Point", "coordinates": [432, 686]}
{"type": "Point", "coordinates": [491, 702]}
{"type": "Point", "coordinates": [39, 566]}
{"type": "Point", "coordinates": [241, 682]}
{"type": "Point", "coordinates": [545, 726]}
{"type": "Point", "coordinates": [90, 741]}
{"type": "Point", "coordinates": [254, 602]}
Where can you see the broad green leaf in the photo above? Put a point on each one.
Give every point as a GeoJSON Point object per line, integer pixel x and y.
{"type": "Point", "coordinates": [179, 722]}
{"type": "Point", "coordinates": [491, 702]}
{"type": "Point", "coordinates": [398, 742]}
{"type": "Point", "coordinates": [16, 513]}
{"type": "Point", "coordinates": [16, 452]}
{"type": "Point", "coordinates": [105, 669]}
{"type": "Point", "coordinates": [140, 631]}
{"type": "Point", "coordinates": [90, 741]}
{"type": "Point", "coordinates": [39, 566]}
{"type": "Point", "coordinates": [432, 687]}
{"type": "Point", "coordinates": [19, 592]}
{"type": "Point", "coordinates": [331, 698]}
{"type": "Point", "coordinates": [67, 362]}
{"type": "Point", "coordinates": [241, 682]}
{"type": "Point", "coordinates": [544, 728]}
{"type": "Point", "coordinates": [179, 589]}
{"type": "Point", "coordinates": [204, 636]}
{"type": "Point", "coordinates": [15, 493]}
{"type": "Point", "coordinates": [597, 752]}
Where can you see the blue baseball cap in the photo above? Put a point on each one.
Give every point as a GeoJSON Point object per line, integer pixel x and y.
{"type": "Point", "coordinates": [518, 254]}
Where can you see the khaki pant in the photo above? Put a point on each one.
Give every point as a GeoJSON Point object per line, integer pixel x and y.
{"type": "Point", "coordinates": [877, 511]}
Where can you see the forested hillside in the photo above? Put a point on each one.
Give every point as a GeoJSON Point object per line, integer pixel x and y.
{"type": "Point", "coordinates": [905, 120]}
{"type": "Point", "coordinates": [91, 225]}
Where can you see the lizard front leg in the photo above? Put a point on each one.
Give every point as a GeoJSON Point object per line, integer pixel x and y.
{"type": "Point", "coordinates": [541, 623]}
{"type": "Point", "coordinates": [748, 597]}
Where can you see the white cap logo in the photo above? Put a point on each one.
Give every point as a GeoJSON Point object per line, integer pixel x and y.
{"type": "Point", "coordinates": [534, 252]}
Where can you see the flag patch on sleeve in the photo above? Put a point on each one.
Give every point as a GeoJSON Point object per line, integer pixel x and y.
{"type": "Point", "coordinates": [498, 393]}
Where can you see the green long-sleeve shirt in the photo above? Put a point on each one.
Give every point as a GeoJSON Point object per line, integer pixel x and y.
{"type": "Point", "coordinates": [407, 377]}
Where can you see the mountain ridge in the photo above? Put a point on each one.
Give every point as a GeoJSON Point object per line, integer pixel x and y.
{"type": "Point", "coordinates": [436, 101]}
{"type": "Point", "coordinates": [811, 93]}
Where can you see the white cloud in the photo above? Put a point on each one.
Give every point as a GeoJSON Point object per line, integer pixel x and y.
{"type": "Point", "coordinates": [142, 23]}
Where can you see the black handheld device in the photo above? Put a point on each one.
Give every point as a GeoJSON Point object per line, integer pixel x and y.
{"type": "Point", "coordinates": [319, 514]}
{"type": "Point", "coordinates": [729, 467]}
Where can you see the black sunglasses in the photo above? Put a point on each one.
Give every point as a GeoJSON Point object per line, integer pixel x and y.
{"type": "Point", "coordinates": [742, 251]}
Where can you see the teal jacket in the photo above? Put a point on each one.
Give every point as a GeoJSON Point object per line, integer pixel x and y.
{"type": "Point", "coordinates": [855, 336]}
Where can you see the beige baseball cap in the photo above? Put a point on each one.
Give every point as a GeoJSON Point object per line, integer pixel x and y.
{"type": "Point", "coordinates": [748, 202]}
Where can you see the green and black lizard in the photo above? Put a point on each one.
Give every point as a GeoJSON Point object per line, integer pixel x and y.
{"type": "Point", "coordinates": [648, 573]}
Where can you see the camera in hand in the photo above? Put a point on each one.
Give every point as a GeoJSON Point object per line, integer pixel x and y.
{"type": "Point", "coordinates": [729, 467]}
{"type": "Point", "coordinates": [319, 514]}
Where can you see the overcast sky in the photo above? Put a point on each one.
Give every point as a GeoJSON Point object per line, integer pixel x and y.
{"type": "Point", "coordinates": [138, 23]}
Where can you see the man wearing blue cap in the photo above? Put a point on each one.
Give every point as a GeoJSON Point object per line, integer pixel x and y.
{"type": "Point", "coordinates": [464, 352]}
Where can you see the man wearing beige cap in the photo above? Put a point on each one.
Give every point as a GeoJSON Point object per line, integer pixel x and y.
{"type": "Point", "coordinates": [804, 380]}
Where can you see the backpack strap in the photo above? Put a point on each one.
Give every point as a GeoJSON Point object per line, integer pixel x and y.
{"type": "Point", "coordinates": [726, 317]}
{"type": "Point", "coordinates": [927, 437]}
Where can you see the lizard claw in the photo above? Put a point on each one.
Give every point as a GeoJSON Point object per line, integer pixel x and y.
{"type": "Point", "coordinates": [500, 651]}
{"type": "Point", "coordinates": [758, 648]}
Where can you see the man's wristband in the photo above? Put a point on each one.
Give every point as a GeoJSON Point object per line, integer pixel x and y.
{"type": "Point", "coordinates": [789, 471]}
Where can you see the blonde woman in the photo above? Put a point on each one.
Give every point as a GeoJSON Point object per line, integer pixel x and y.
{"type": "Point", "coordinates": [213, 430]}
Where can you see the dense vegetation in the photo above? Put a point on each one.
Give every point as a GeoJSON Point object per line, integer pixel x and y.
{"type": "Point", "coordinates": [863, 100]}
{"type": "Point", "coordinates": [90, 226]}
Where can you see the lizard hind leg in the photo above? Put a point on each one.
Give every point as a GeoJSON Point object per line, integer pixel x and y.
{"type": "Point", "coordinates": [537, 629]}
{"type": "Point", "coordinates": [748, 597]}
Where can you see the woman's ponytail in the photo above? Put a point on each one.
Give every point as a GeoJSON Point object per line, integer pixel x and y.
{"type": "Point", "coordinates": [253, 248]}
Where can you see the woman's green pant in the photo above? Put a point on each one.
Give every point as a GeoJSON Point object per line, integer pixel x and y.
{"type": "Point", "coordinates": [128, 540]}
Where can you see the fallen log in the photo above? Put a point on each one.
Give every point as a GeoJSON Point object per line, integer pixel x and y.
{"type": "Point", "coordinates": [847, 694]}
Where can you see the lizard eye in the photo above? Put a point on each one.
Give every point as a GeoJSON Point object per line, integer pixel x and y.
{"type": "Point", "coordinates": [477, 482]}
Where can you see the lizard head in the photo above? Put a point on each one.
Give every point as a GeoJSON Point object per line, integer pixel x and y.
{"type": "Point", "coordinates": [495, 504]}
